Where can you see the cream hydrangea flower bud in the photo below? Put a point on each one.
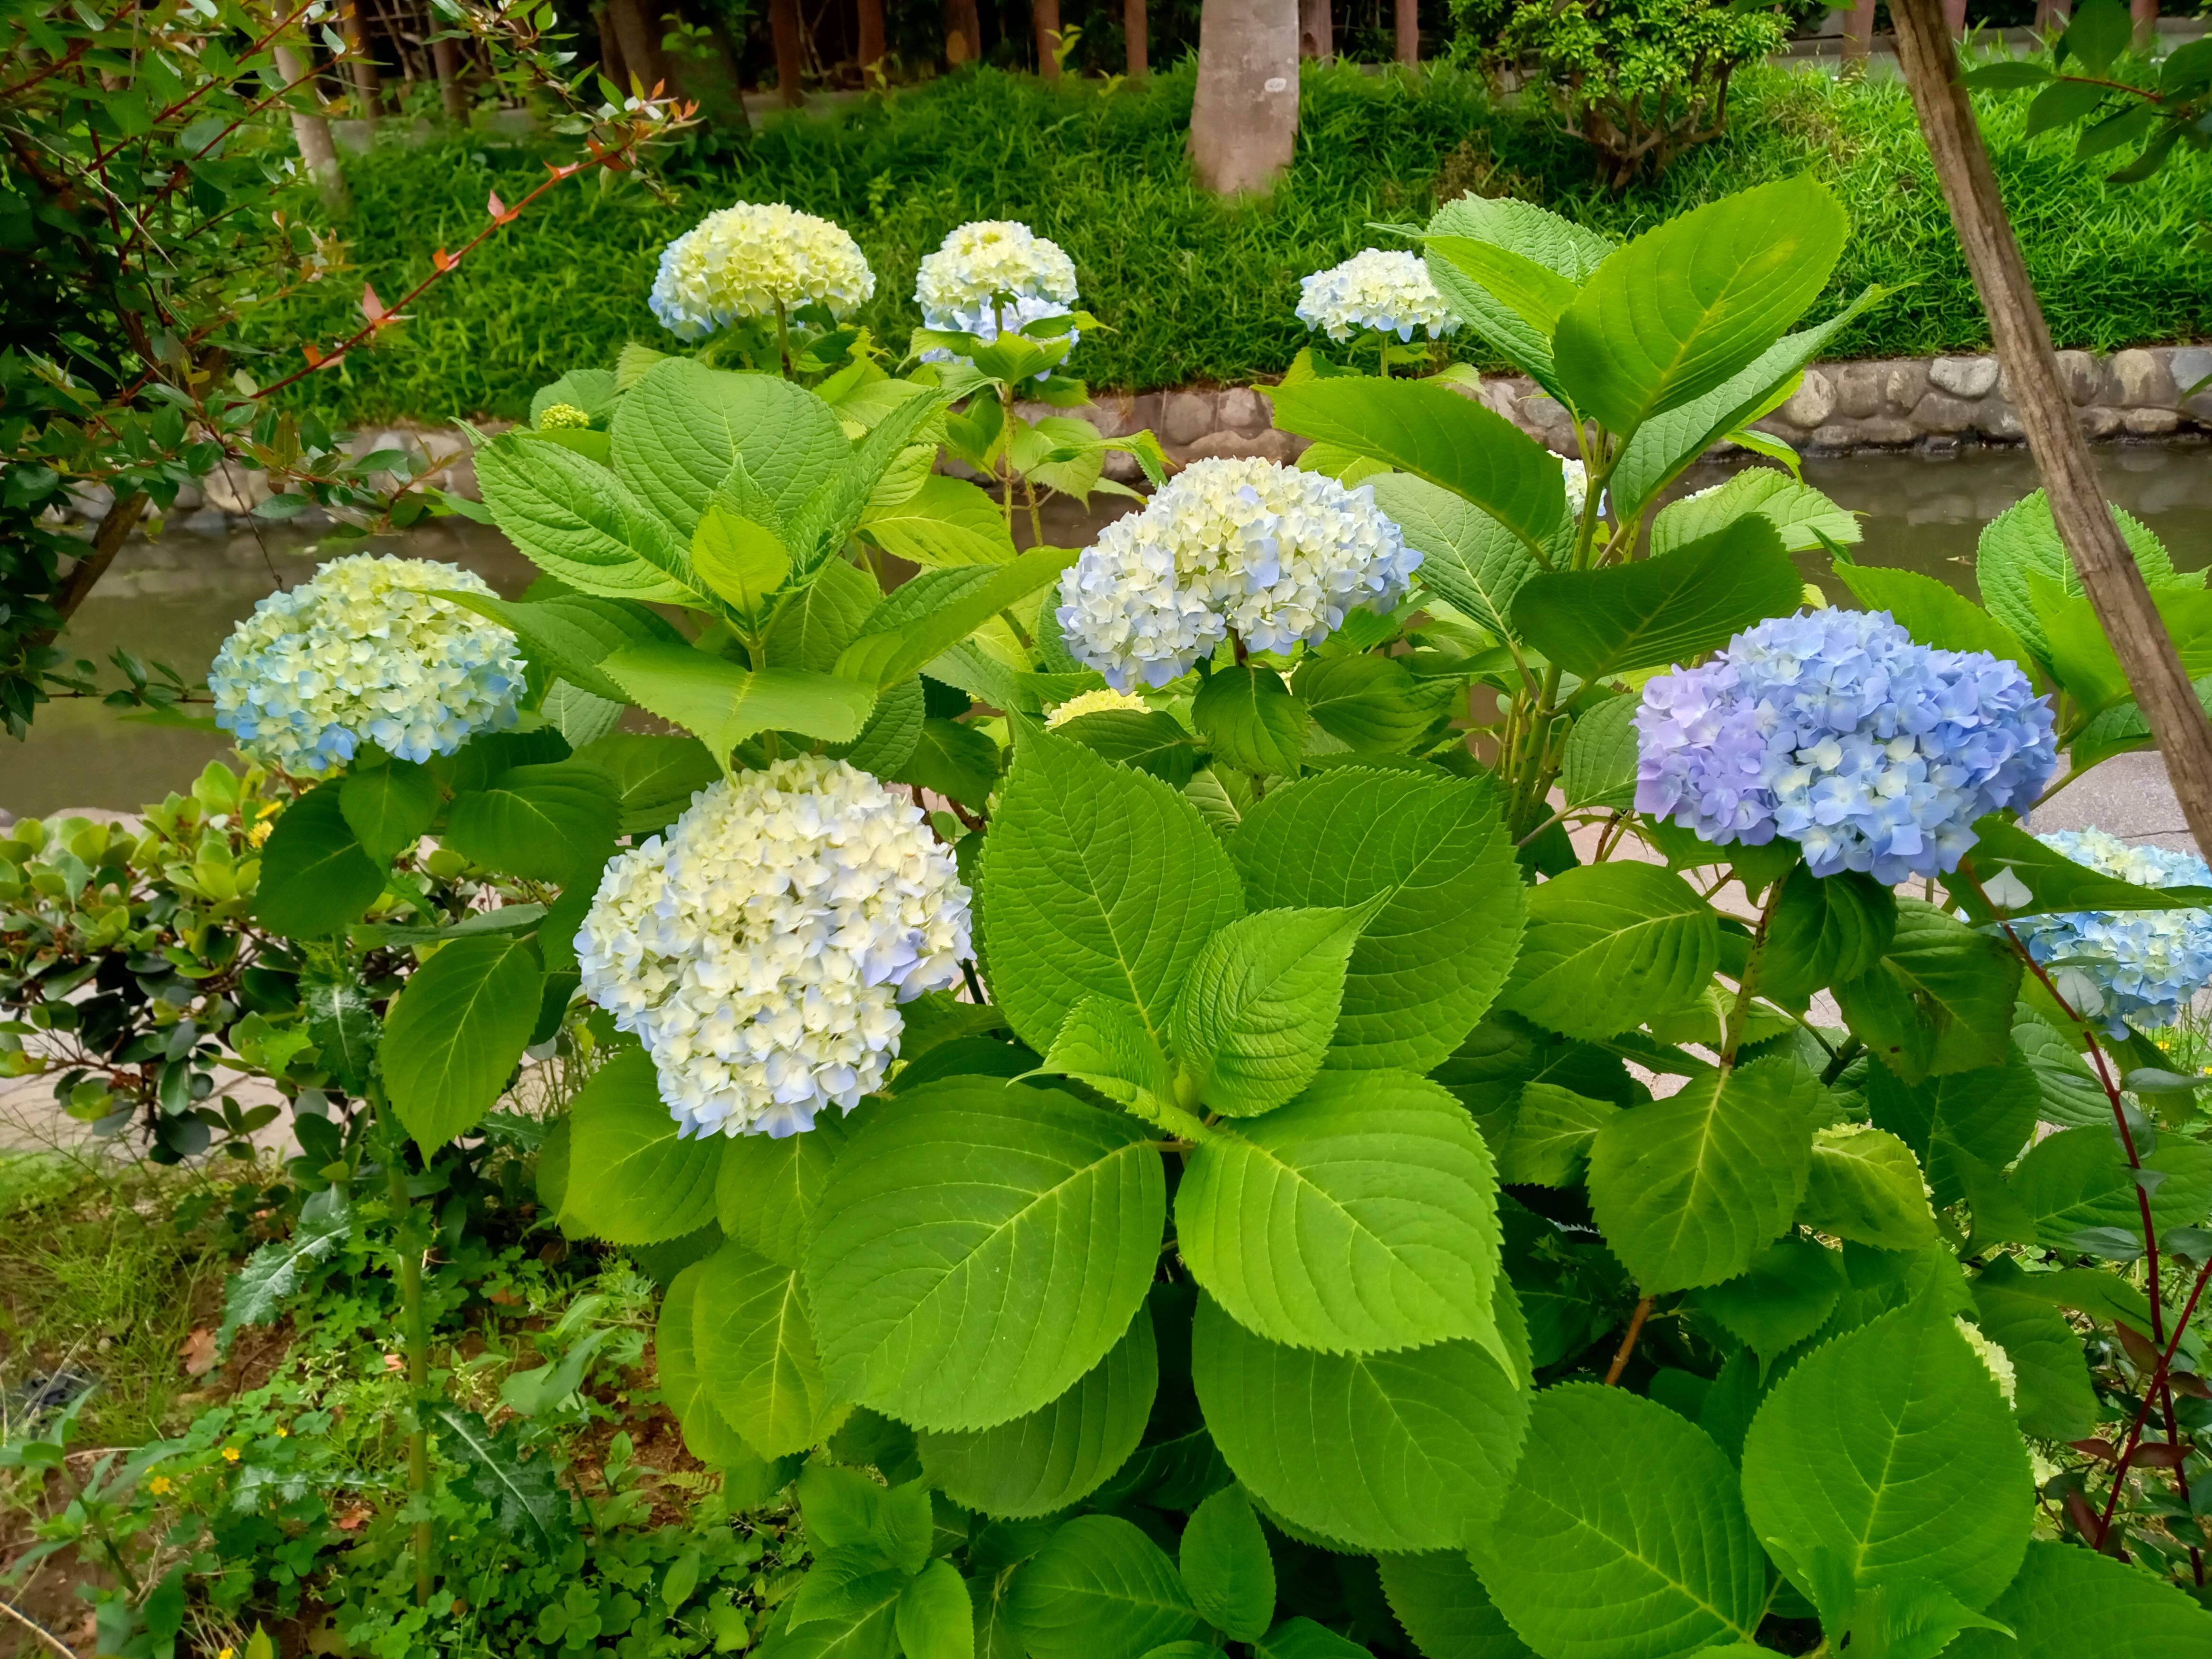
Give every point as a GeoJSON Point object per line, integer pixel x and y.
{"type": "Point", "coordinates": [746, 261]}
{"type": "Point", "coordinates": [364, 653]}
{"type": "Point", "coordinates": [1995, 1358]}
{"type": "Point", "coordinates": [761, 951]}
{"type": "Point", "coordinates": [1095, 702]}
{"type": "Point", "coordinates": [1275, 554]}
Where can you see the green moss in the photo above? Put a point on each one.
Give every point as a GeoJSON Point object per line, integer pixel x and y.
{"type": "Point", "coordinates": [1193, 290]}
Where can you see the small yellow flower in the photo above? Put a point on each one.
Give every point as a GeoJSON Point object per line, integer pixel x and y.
{"type": "Point", "coordinates": [228, 1653]}
{"type": "Point", "coordinates": [283, 1433]}
{"type": "Point", "coordinates": [230, 1454]}
{"type": "Point", "coordinates": [159, 1485]}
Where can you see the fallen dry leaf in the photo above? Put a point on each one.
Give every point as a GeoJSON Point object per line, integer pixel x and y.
{"type": "Point", "coordinates": [200, 1353]}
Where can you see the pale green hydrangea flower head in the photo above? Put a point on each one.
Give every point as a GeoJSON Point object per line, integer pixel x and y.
{"type": "Point", "coordinates": [746, 261]}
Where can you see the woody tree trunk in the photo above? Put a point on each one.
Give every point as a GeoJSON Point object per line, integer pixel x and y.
{"type": "Point", "coordinates": [1316, 29]}
{"type": "Point", "coordinates": [367, 89]}
{"type": "Point", "coordinates": [637, 32]}
{"type": "Point", "coordinates": [964, 32]}
{"type": "Point", "coordinates": [790, 56]}
{"type": "Point", "coordinates": [1858, 31]}
{"type": "Point", "coordinates": [1244, 117]}
{"type": "Point", "coordinates": [610, 58]}
{"type": "Point", "coordinates": [1409, 33]}
{"type": "Point", "coordinates": [453, 96]}
{"type": "Point", "coordinates": [2109, 574]}
{"type": "Point", "coordinates": [871, 36]}
{"type": "Point", "coordinates": [1136, 28]}
{"type": "Point", "coordinates": [312, 133]}
{"type": "Point", "coordinates": [1046, 15]}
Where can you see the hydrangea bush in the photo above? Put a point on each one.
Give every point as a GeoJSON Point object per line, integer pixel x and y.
{"type": "Point", "coordinates": [753, 262]}
{"type": "Point", "coordinates": [760, 950]}
{"type": "Point", "coordinates": [1374, 291]}
{"type": "Point", "coordinates": [1427, 1132]}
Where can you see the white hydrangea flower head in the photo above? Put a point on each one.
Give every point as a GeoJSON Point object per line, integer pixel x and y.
{"type": "Point", "coordinates": [743, 262]}
{"type": "Point", "coordinates": [1376, 292]}
{"type": "Point", "coordinates": [1096, 702]}
{"type": "Point", "coordinates": [364, 653]}
{"type": "Point", "coordinates": [1998, 1361]}
{"type": "Point", "coordinates": [991, 260]}
{"type": "Point", "coordinates": [1275, 554]}
{"type": "Point", "coordinates": [760, 951]}
{"type": "Point", "coordinates": [989, 271]}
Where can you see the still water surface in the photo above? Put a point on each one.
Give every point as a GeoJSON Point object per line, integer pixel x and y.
{"type": "Point", "coordinates": [175, 599]}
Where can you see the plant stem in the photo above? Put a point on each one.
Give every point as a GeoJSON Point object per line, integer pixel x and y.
{"type": "Point", "coordinates": [783, 342]}
{"type": "Point", "coordinates": [418, 1344]}
{"type": "Point", "coordinates": [1628, 1343]}
{"type": "Point", "coordinates": [1740, 1011]}
{"type": "Point", "coordinates": [100, 1530]}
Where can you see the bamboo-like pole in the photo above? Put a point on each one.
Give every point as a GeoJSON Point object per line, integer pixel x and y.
{"type": "Point", "coordinates": [2108, 571]}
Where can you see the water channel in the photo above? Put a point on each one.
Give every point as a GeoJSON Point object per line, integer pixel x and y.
{"type": "Point", "coordinates": [175, 598]}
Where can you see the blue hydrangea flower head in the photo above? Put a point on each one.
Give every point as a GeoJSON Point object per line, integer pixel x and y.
{"type": "Point", "coordinates": [2136, 966]}
{"type": "Point", "coordinates": [1833, 729]}
{"type": "Point", "coordinates": [364, 652]}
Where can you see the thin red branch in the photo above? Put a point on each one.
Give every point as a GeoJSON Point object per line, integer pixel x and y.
{"type": "Point", "coordinates": [392, 313]}
{"type": "Point", "coordinates": [8, 94]}
{"type": "Point", "coordinates": [2156, 1382]}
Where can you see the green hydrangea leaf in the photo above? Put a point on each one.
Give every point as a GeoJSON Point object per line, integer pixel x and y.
{"type": "Point", "coordinates": [1893, 1449]}
{"type": "Point", "coordinates": [1621, 1535]}
{"type": "Point", "coordinates": [1434, 849]}
{"type": "Point", "coordinates": [2069, 1600]}
{"type": "Point", "coordinates": [1097, 880]}
{"type": "Point", "coordinates": [756, 1349]}
{"type": "Point", "coordinates": [1098, 1590]}
{"type": "Point", "coordinates": [1226, 1568]}
{"type": "Point", "coordinates": [1254, 1019]}
{"type": "Point", "coordinates": [1059, 1453]}
{"type": "Point", "coordinates": [979, 1248]}
{"type": "Point", "coordinates": [633, 1176]}
{"type": "Point", "coordinates": [1361, 1217]}
{"type": "Point", "coordinates": [456, 1033]}
{"type": "Point", "coordinates": [1380, 1451]}
{"type": "Point", "coordinates": [1690, 1188]}
{"type": "Point", "coordinates": [1609, 945]}
{"type": "Point", "coordinates": [1864, 1185]}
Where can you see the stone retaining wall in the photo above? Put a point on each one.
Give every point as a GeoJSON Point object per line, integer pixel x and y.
{"type": "Point", "coordinates": [1935, 404]}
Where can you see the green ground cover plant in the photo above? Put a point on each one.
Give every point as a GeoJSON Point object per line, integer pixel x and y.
{"type": "Point", "coordinates": [1199, 293]}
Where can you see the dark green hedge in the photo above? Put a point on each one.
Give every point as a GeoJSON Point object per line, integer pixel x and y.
{"type": "Point", "coordinates": [1196, 290]}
